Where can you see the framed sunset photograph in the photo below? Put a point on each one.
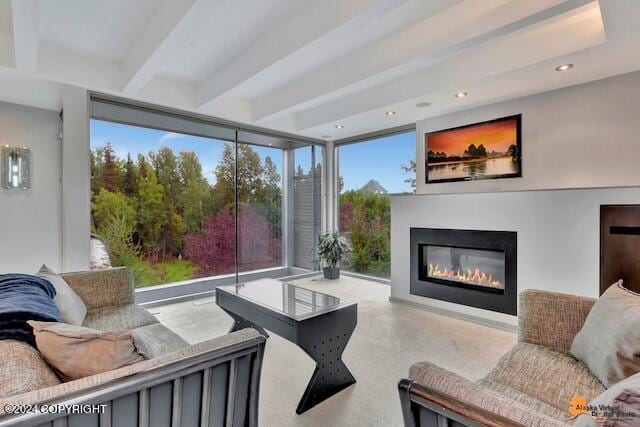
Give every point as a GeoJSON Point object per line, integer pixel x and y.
{"type": "Point", "coordinates": [485, 150]}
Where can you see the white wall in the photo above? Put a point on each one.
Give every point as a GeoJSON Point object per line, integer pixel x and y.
{"type": "Point", "coordinates": [30, 232]}
{"type": "Point", "coordinates": [558, 236]}
{"type": "Point", "coordinates": [578, 137]}
{"type": "Point", "coordinates": [50, 223]}
{"type": "Point", "coordinates": [76, 180]}
{"type": "Point", "coordinates": [583, 139]}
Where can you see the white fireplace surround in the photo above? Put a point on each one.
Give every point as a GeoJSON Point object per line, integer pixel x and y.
{"type": "Point", "coordinates": [579, 150]}
{"type": "Point", "coordinates": [558, 238]}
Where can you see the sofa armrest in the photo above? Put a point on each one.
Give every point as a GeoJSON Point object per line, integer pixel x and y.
{"type": "Point", "coordinates": [100, 289]}
{"type": "Point", "coordinates": [243, 349]}
{"type": "Point", "coordinates": [465, 401]}
{"type": "Point", "coordinates": [551, 319]}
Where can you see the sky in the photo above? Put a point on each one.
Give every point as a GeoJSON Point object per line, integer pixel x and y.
{"type": "Point", "coordinates": [496, 136]}
{"type": "Point", "coordinates": [138, 140]}
{"type": "Point", "coordinates": [379, 159]}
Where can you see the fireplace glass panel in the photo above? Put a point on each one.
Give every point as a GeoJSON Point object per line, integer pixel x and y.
{"type": "Point", "coordinates": [477, 268]}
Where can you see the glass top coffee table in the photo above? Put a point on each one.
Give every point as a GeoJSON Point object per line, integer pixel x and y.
{"type": "Point", "coordinates": [319, 323]}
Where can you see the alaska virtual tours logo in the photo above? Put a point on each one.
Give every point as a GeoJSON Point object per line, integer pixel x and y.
{"type": "Point", "coordinates": [625, 409]}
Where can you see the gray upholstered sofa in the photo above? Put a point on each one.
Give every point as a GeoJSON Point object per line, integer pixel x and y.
{"type": "Point", "coordinates": [531, 385]}
{"type": "Point", "coordinates": [212, 383]}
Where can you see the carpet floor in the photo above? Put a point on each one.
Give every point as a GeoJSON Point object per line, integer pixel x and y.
{"type": "Point", "coordinates": [388, 339]}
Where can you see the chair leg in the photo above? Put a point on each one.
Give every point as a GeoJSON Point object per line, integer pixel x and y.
{"type": "Point", "coordinates": [409, 416]}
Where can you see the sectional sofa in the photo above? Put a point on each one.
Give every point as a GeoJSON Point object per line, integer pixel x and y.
{"type": "Point", "coordinates": [211, 383]}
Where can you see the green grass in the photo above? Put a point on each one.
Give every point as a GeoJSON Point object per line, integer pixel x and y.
{"type": "Point", "coordinates": [178, 270]}
{"type": "Point", "coordinates": [163, 272]}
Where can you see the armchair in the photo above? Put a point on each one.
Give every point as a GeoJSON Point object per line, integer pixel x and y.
{"type": "Point", "coordinates": [531, 385]}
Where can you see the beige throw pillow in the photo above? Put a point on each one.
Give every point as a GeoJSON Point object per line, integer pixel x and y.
{"type": "Point", "coordinates": [70, 305]}
{"type": "Point", "coordinates": [609, 341]}
{"type": "Point", "coordinates": [77, 352]}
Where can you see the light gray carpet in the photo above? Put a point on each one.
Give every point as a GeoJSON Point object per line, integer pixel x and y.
{"type": "Point", "coordinates": [388, 339]}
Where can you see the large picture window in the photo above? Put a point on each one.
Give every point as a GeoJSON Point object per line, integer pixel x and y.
{"type": "Point", "coordinates": [368, 172]}
{"type": "Point", "coordinates": [260, 207]}
{"type": "Point", "coordinates": [175, 207]}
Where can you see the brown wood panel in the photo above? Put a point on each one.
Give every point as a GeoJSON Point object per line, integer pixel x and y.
{"type": "Point", "coordinates": [620, 246]}
{"type": "Point", "coordinates": [455, 409]}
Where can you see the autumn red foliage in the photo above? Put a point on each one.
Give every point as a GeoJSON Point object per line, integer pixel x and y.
{"type": "Point", "coordinates": [346, 215]}
{"type": "Point", "coordinates": [213, 249]}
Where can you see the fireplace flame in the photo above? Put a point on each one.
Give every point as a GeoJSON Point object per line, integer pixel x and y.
{"type": "Point", "coordinates": [472, 277]}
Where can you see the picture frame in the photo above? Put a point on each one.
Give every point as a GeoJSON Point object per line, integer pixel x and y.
{"type": "Point", "coordinates": [485, 150]}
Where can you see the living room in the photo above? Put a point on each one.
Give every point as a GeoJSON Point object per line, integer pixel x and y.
{"type": "Point", "coordinates": [353, 212]}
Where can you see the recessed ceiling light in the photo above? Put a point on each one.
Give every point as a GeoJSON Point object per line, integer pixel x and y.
{"type": "Point", "coordinates": [461, 94]}
{"type": "Point", "coordinates": [390, 113]}
{"type": "Point", "coordinates": [564, 67]}
{"type": "Point", "coordinates": [339, 126]}
{"type": "Point", "coordinates": [423, 104]}
{"type": "Point", "coordinates": [325, 136]}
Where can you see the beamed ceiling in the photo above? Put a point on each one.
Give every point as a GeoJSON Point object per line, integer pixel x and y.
{"type": "Point", "coordinates": [305, 66]}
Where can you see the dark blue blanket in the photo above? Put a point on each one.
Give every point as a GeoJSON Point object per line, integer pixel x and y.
{"type": "Point", "coordinates": [24, 297]}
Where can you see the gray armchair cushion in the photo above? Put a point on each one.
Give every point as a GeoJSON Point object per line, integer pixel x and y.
{"type": "Point", "coordinates": [123, 318]}
{"type": "Point", "coordinates": [522, 398]}
{"type": "Point", "coordinates": [545, 374]}
{"type": "Point", "coordinates": [156, 340]}
{"type": "Point", "coordinates": [468, 392]}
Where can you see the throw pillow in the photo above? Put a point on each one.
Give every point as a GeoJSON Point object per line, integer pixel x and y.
{"type": "Point", "coordinates": [70, 305]}
{"type": "Point", "coordinates": [609, 341]}
{"type": "Point", "coordinates": [77, 352]}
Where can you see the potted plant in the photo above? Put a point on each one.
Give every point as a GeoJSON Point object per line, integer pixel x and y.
{"type": "Point", "coordinates": [330, 251]}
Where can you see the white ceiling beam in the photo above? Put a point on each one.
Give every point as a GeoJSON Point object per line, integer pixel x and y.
{"type": "Point", "coordinates": [461, 27]}
{"type": "Point", "coordinates": [67, 66]}
{"type": "Point", "coordinates": [26, 21]}
{"type": "Point", "coordinates": [315, 22]}
{"type": "Point", "coordinates": [573, 31]}
{"type": "Point", "coordinates": [167, 31]}
{"type": "Point", "coordinates": [26, 90]}
{"type": "Point", "coordinates": [169, 91]}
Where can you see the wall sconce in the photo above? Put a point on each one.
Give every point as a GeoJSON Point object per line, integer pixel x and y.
{"type": "Point", "coordinates": [16, 167]}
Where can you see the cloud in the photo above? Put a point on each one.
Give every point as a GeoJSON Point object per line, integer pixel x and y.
{"type": "Point", "coordinates": [171, 135]}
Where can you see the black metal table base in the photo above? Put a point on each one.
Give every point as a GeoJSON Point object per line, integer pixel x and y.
{"type": "Point", "coordinates": [323, 336]}
{"type": "Point", "coordinates": [331, 374]}
{"type": "Point", "coordinates": [324, 339]}
{"type": "Point", "coordinates": [242, 323]}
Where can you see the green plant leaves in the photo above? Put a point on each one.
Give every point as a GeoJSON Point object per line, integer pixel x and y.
{"type": "Point", "coordinates": [331, 249]}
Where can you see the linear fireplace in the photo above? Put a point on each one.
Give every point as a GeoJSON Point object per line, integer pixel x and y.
{"type": "Point", "coordinates": [470, 267]}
